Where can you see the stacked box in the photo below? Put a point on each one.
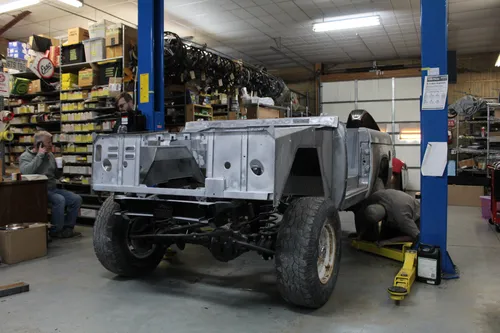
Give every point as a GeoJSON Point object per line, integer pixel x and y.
{"type": "Point", "coordinates": [87, 77]}
{"type": "Point", "coordinates": [114, 35]}
{"type": "Point", "coordinates": [18, 50]}
{"type": "Point", "coordinates": [77, 35]}
{"type": "Point", "coordinates": [68, 81]}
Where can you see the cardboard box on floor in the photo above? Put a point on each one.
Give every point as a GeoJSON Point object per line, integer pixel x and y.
{"type": "Point", "coordinates": [23, 244]}
{"type": "Point", "coordinates": [460, 195]}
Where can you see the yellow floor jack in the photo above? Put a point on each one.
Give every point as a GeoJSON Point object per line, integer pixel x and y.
{"type": "Point", "coordinates": [401, 252]}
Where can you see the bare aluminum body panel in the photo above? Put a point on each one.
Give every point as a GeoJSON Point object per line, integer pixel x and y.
{"type": "Point", "coordinates": [260, 159]}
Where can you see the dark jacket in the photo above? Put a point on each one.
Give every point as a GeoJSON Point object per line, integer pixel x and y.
{"type": "Point", "coordinates": [136, 122]}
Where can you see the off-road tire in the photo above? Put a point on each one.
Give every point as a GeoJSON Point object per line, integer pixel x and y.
{"type": "Point", "coordinates": [297, 250]}
{"type": "Point", "coordinates": [110, 244]}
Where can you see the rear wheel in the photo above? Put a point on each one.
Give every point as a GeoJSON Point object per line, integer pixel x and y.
{"type": "Point", "coordinates": [114, 248]}
{"type": "Point", "coordinates": [308, 252]}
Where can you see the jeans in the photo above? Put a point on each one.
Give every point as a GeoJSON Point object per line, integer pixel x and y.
{"type": "Point", "coordinates": [61, 201]}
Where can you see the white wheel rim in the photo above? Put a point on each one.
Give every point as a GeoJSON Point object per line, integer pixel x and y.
{"type": "Point", "coordinates": [326, 253]}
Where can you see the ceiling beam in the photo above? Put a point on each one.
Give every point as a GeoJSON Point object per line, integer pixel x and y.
{"type": "Point", "coordinates": [14, 21]}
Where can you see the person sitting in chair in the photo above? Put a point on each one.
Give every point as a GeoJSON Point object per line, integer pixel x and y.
{"type": "Point", "coordinates": [398, 212]}
{"type": "Point", "coordinates": [65, 205]}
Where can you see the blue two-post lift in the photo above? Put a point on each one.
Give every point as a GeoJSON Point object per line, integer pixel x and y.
{"type": "Point", "coordinates": [434, 123]}
{"type": "Point", "coordinates": [150, 72]}
{"type": "Point", "coordinates": [434, 128]}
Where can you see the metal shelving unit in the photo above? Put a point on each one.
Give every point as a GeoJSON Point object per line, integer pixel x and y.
{"type": "Point", "coordinates": [486, 153]}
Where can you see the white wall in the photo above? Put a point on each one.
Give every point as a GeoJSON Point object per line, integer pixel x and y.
{"type": "Point", "coordinates": [378, 97]}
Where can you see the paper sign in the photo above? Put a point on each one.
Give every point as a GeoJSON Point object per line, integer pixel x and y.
{"type": "Point", "coordinates": [4, 84]}
{"type": "Point", "coordinates": [433, 71]}
{"type": "Point", "coordinates": [435, 159]}
{"type": "Point", "coordinates": [435, 92]}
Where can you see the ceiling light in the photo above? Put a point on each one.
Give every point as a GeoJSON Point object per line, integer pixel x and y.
{"type": "Point", "coordinates": [17, 5]}
{"type": "Point", "coordinates": [74, 3]}
{"type": "Point", "coordinates": [497, 64]}
{"type": "Point", "coordinates": [351, 23]}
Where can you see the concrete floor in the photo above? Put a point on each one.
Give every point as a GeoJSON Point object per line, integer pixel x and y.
{"type": "Point", "coordinates": [72, 293]}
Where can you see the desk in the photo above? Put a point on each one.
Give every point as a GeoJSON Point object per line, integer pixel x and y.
{"type": "Point", "coordinates": [23, 201]}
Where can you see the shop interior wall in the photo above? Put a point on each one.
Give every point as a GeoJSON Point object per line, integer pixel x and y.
{"type": "Point", "coordinates": [477, 75]}
{"type": "Point", "coordinates": [300, 80]}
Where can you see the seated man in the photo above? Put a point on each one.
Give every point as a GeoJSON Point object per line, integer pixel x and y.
{"type": "Point", "coordinates": [40, 160]}
{"type": "Point", "coordinates": [131, 120]}
{"type": "Point", "coordinates": [399, 213]}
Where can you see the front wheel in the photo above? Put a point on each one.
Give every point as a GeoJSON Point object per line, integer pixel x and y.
{"type": "Point", "coordinates": [308, 252]}
{"type": "Point", "coordinates": [114, 248]}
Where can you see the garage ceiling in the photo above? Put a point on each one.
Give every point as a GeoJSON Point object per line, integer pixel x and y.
{"type": "Point", "coordinates": [248, 28]}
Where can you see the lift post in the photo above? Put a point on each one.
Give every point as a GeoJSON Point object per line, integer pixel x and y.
{"type": "Point", "coordinates": [434, 128]}
{"type": "Point", "coordinates": [150, 74]}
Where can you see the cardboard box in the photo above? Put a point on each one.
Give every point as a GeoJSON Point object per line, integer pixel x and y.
{"type": "Point", "coordinates": [115, 86]}
{"type": "Point", "coordinates": [114, 51]}
{"type": "Point", "coordinates": [77, 35]}
{"type": "Point", "coordinates": [114, 36]}
{"type": "Point", "coordinates": [23, 244]}
{"type": "Point", "coordinates": [87, 77]}
{"type": "Point", "coordinates": [35, 87]}
{"type": "Point", "coordinates": [468, 163]}
{"type": "Point", "coordinates": [460, 195]}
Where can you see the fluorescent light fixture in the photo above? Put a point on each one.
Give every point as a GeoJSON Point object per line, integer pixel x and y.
{"type": "Point", "coordinates": [497, 64]}
{"type": "Point", "coordinates": [74, 3]}
{"type": "Point", "coordinates": [14, 5]}
{"type": "Point", "coordinates": [349, 23]}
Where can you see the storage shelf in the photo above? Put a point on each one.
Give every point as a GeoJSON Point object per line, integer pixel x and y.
{"type": "Point", "coordinates": [105, 109]}
{"type": "Point", "coordinates": [32, 76]}
{"type": "Point", "coordinates": [95, 131]}
{"type": "Point", "coordinates": [43, 93]}
{"type": "Point", "coordinates": [201, 106]}
{"type": "Point", "coordinates": [34, 103]}
{"type": "Point", "coordinates": [76, 143]}
{"type": "Point", "coordinates": [20, 143]}
{"type": "Point", "coordinates": [37, 124]}
{"type": "Point", "coordinates": [473, 138]}
{"type": "Point", "coordinates": [477, 151]}
{"type": "Point", "coordinates": [203, 115]}
{"type": "Point", "coordinates": [76, 153]}
{"type": "Point", "coordinates": [77, 163]}
{"type": "Point", "coordinates": [81, 65]}
{"type": "Point", "coordinates": [88, 121]}
{"type": "Point", "coordinates": [34, 113]}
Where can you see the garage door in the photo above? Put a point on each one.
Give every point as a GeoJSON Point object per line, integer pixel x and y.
{"type": "Point", "coordinates": [394, 103]}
